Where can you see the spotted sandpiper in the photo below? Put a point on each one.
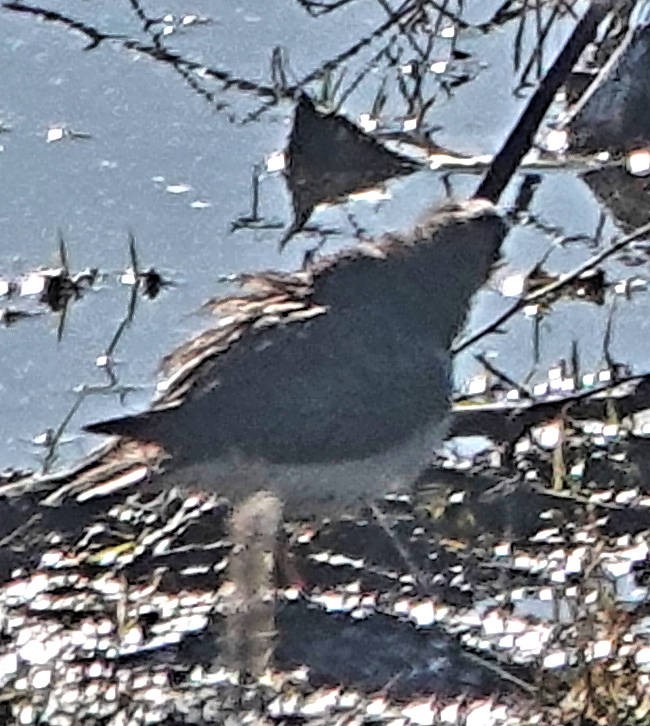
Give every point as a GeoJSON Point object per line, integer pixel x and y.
{"type": "Point", "coordinates": [329, 387]}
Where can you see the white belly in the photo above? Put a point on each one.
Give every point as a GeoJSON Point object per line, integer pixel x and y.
{"type": "Point", "coordinates": [314, 489]}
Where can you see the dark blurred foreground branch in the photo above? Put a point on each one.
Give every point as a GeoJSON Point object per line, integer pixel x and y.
{"type": "Point", "coordinates": [521, 137]}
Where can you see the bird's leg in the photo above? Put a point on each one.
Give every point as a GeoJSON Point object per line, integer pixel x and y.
{"type": "Point", "coordinates": [250, 606]}
{"type": "Point", "coordinates": [402, 551]}
{"type": "Point", "coordinates": [285, 570]}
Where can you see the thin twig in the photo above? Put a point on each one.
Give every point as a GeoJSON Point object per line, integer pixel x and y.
{"type": "Point", "coordinates": [503, 377]}
{"type": "Point", "coordinates": [553, 287]}
{"type": "Point", "coordinates": [502, 672]}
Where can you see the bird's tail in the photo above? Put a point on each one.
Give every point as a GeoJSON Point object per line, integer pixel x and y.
{"type": "Point", "coordinates": [143, 426]}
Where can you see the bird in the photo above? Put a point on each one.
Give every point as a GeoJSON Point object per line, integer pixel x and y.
{"type": "Point", "coordinates": [329, 387]}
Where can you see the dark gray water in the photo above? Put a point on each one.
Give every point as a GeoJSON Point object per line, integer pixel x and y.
{"type": "Point", "coordinates": [170, 160]}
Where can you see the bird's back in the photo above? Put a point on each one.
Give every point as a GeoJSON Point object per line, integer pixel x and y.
{"type": "Point", "coordinates": [365, 375]}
